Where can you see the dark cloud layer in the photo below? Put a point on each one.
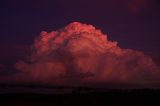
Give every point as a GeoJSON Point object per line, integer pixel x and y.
{"type": "Point", "coordinates": [80, 53]}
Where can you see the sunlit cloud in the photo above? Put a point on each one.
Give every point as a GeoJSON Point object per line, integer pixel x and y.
{"type": "Point", "coordinates": [80, 53]}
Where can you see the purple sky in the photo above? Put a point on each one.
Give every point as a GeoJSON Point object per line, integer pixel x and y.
{"type": "Point", "coordinates": [135, 24]}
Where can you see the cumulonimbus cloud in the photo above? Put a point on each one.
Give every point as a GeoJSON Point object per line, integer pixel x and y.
{"type": "Point", "coordinates": [80, 53]}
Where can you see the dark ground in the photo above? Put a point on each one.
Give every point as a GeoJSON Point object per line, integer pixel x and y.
{"type": "Point", "coordinates": [141, 97]}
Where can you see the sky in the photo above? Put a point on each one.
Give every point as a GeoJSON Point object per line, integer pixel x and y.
{"type": "Point", "coordinates": [134, 24]}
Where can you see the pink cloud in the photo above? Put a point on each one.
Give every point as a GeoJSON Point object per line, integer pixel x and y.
{"type": "Point", "coordinates": [80, 53]}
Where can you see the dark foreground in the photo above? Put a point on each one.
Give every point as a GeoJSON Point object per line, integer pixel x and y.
{"type": "Point", "coordinates": [109, 98]}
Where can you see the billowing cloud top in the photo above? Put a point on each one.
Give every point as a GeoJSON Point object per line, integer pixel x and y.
{"type": "Point", "coordinates": [80, 53]}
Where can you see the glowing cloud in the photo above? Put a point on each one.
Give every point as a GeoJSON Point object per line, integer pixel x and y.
{"type": "Point", "coordinates": [80, 53]}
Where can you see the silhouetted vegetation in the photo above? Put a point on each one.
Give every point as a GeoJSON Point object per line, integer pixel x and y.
{"type": "Point", "coordinates": [78, 98]}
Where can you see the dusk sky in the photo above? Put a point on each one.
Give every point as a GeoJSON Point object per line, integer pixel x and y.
{"type": "Point", "coordinates": [134, 24]}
